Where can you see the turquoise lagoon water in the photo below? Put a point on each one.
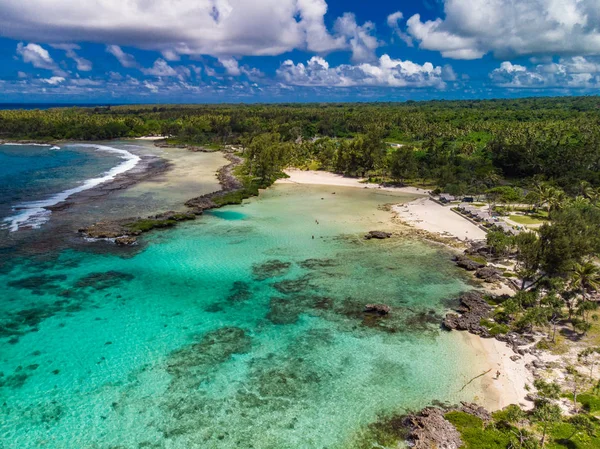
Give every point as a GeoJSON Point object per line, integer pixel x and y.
{"type": "Point", "coordinates": [243, 329]}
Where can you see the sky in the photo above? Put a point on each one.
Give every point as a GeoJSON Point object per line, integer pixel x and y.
{"type": "Point", "coordinates": [207, 51]}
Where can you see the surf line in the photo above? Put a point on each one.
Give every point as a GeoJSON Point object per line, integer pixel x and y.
{"type": "Point", "coordinates": [33, 214]}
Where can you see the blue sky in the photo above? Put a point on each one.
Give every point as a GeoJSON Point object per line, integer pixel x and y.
{"type": "Point", "coordinates": [151, 51]}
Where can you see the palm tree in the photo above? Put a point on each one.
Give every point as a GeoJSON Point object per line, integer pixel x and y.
{"type": "Point", "coordinates": [586, 278]}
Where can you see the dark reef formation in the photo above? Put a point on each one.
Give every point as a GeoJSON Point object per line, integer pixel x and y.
{"type": "Point", "coordinates": [473, 308]}
{"type": "Point", "coordinates": [377, 235]}
{"type": "Point", "coordinates": [125, 232]}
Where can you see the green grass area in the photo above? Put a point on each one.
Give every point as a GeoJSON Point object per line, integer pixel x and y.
{"type": "Point", "coordinates": [497, 435]}
{"type": "Point", "coordinates": [564, 435]}
{"type": "Point", "coordinates": [475, 434]}
{"type": "Point", "coordinates": [527, 219]}
{"type": "Point", "coordinates": [590, 402]}
{"type": "Point", "coordinates": [495, 328]}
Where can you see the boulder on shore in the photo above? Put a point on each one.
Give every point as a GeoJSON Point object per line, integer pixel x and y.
{"type": "Point", "coordinates": [379, 309]}
{"type": "Point", "coordinates": [126, 240]}
{"type": "Point", "coordinates": [473, 308]}
{"type": "Point", "coordinates": [429, 429]}
{"type": "Point", "coordinates": [489, 274]}
{"type": "Point", "coordinates": [467, 263]}
{"type": "Point", "coordinates": [378, 235]}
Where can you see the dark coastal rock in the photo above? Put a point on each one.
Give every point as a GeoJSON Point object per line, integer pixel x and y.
{"type": "Point", "coordinates": [379, 309]}
{"type": "Point", "coordinates": [489, 274]}
{"type": "Point", "coordinates": [377, 235]}
{"type": "Point", "coordinates": [467, 263]}
{"type": "Point", "coordinates": [174, 216]}
{"type": "Point", "coordinates": [478, 249]}
{"type": "Point", "coordinates": [126, 240]}
{"type": "Point", "coordinates": [107, 230]}
{"type": "Point", "coordinates": [200, 204]}
{"type": "Point", "coordinates": [429, 429]}
{"type": "Point", "coordinates": [473, 308]}
{"type": "Point", "coordinates": [476, 410]}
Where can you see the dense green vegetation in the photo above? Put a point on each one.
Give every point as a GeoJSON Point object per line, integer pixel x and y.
{"type": "Point", "coordinates": [463, 147]}
{"type": "Point", "coordinates": [545, 426]}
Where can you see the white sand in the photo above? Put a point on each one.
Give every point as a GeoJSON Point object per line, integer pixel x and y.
{"type": "Point", "coordinates": [433, 217]}
{"type": "Point", "coordinates": [150, 138]}
{"type": "Point", "coordinates": [331, 179]}
{"type": "Point", "coordinates": [509, 387]}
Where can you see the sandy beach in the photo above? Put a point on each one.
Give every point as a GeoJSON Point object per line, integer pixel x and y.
{"type": "Point", "coordinates": [332, 179]}
{"type": "Point", "coordinates": [433, 217]}
{"type": "Point", "coordinates": [422, 213]}
{"type": "Point", "coordinates": [509, 387]}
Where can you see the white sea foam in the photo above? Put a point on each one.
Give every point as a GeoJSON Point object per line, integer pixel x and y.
{"type": "Point", "coordinates": [20, 144]}
{"type": "Point", "coordinates": [34, 214]}
{"type": "Point", "coordinates": [55, 148]}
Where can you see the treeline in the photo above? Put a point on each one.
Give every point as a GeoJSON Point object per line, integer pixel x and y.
{"type": "Point", "coordinates": [462, 146]}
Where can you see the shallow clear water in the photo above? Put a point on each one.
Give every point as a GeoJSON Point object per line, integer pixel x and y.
{"type": "Point", "coordinates": [243, 329]}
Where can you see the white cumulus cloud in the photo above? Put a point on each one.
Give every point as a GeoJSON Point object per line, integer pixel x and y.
{"type": "Point", "coordinates": [160, 68]}
{"type": "Point", "coordinates": [187, 27]}
{"type": "Point", "coordinates": [127, 60]}
{"type": "Point", "coordinates": [508, 28]}
{"type": "Point", "coordinates": [36, 55]}
{"type": "Point", "coordinates": [83, 65]}
{"type": "Point", "coordinates": [576, 72]}
{"type": "Point", "coordinates": [386, 72]}
{"type": "Point", "coordinates": [54, 80]}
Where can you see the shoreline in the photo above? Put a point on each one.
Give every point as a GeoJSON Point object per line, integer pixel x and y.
{"type": "Point", "coordinates": [509, 388]}
{"type": "Point", "coordinates": [427, 217]}
{"type": "Point", "coordinates": [131, 169]}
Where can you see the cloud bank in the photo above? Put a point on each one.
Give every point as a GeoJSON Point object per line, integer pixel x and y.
{"type": "Point", "coordinates": [189, 27]}
{"type": "Point", "coordinates": [510, 28]}
{"type": "Point", "coordinates": [386, 72]}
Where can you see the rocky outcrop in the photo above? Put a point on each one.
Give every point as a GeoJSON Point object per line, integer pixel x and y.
{"type": "Point", "coordinates": [429, 429]}
{"type": "Point", "coordinates": [473, 308]}
{"type": "Point", "coordinates": [476, 410]}
{"type": "Point", "coordinates": [516, 342]}
{"type": "Point", "coordinates": [379, 309]}
{"type": "Point", "coordinates": [125, 232]}
{"type": "Point", "coordinates": [377, 235]}
{"type": "Point", "coordinates": [478, 249]}
{"type": "Point", "coordinates": [200, 204]}
{"type": "Point", "coordinates": [467, 263]}
{"type": "Point", "coordinates": [126, 240]}
{"type": "Point", "coordinates": [174, 216]}
{"type": "Point", "coordinates": [107, 230]}
{"type": "Point", "coordinates": [489, 274]}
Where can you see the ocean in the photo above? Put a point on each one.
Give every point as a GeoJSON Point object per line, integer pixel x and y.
{"type": "Point", "coordinates": [241, 329]}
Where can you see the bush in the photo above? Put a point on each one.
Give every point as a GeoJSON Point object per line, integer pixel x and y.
{"type": "Point", "coordinates": [475, 435]}
{"type": "Point", "coordinates": [494, 328]}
